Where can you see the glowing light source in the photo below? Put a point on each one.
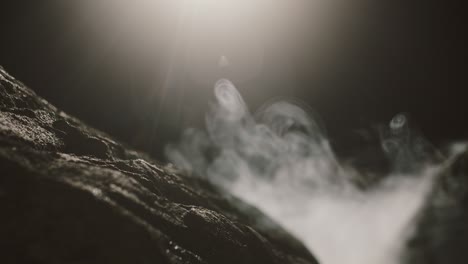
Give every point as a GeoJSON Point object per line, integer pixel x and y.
{"type": "Point", "coordinates": [197, 33]}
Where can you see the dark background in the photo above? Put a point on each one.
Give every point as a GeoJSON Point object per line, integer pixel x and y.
{"type": "Point", "coordinates": [400, 56]}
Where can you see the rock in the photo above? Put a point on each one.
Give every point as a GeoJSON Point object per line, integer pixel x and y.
{"type": "Point", "coordinates": [71, 194]}
{"type": "Point", "coordinates": [442, 233]}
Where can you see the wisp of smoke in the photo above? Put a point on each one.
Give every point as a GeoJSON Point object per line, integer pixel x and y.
{"type": "Point", "coordinates": [280, 161]}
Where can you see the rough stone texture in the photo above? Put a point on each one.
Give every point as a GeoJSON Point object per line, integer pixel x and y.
{"type": "Point", "coordinates": [71, 194]}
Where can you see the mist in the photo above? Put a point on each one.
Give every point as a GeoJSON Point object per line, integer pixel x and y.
{"type": "Point", "coordinates": [280, 160]}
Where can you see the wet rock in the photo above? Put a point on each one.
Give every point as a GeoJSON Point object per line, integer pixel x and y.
{"type": "Point", "coordinates": [71, 194]}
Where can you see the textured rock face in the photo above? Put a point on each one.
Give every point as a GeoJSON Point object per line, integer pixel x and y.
{"type": "Point", "coordinates": [70, 194]}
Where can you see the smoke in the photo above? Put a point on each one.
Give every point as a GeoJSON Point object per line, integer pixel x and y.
{"type": "Point", "coordinates": [280, 161]}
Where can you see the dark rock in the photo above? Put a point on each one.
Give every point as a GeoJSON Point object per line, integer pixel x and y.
{"type": "Point", "coordinates": [71, 194]}
{"type": "Point", "coordinates": [442, 233]}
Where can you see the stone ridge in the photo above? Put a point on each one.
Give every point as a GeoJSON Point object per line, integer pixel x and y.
{"type": "Point", "coordinates": [71, 194]}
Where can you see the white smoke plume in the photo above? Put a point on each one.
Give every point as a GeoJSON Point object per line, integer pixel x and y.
{"type": "Point", "coordinates": [279, 160]}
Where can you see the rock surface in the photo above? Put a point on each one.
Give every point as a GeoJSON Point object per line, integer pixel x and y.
{"type": "Point", "coordinates": [71, 194]}
{"type": "Point", "coordinates": [442, 232]}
